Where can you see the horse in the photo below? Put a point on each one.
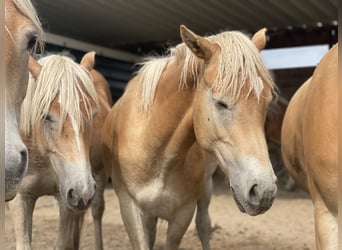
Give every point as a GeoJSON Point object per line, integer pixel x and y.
{"type": "Point", "coordinates": [23, 33]}
{"type": "Point", "coordinates": [309, 145]}
{"type": "Point", "coordinates": [203, 104]}
{"type": "Point", "coordinates": [61, 118]}
{"type": "Point", "coordinates": [274, 119]}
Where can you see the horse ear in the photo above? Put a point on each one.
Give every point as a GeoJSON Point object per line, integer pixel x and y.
{"type": "Point", "coordinates": [88, 60]}
{"type": "Point", "coordinates": [34, 67]}
{"type": "Point", "coordinates": [259, 39]}
{"type": "Point", "coordinates": [200, 46]}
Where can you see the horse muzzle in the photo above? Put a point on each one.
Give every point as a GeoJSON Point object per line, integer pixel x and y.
{"type": "Point", "coordinates": [257, 200]}
{"type": "Point", "coordinates": [15, 170]}
{"type": "Point", "coordinates": [79, 200]}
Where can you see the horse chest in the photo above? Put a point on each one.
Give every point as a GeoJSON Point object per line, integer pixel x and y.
{"type": "Point", "coordinates": [161, 187]}
{"type": "Point", "coordinates": [158, 198]}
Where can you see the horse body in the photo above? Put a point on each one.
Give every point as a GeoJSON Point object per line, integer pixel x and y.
{"type": "Point", "coordinates": [23, 30]}
{"type": "Point", "coordinates": [309, 145]}
{"type": "Point", "coordinates": [160, 157]}
{"type": "Point", "coordinates": [62, 146]}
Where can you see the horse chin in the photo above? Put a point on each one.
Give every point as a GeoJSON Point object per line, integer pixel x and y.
{"type": "Point", "coordinates": [75, 208]}
{"type": "Point", "coordinates": [12, 184]}
{"type": "Point", "coordinates": [10, 193]}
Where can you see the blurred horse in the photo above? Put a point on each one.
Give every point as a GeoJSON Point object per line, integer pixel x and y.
{"type": "Point", "coordinates": [181, 115]}
{"type": "Point", "coordinates": [62, 133]}
{"type": "Point", "coordinates": [23, 33]}
{"type": "Point", "coordinates": [309, 145]}
{"type": "Point", "coordinates": [274, 119]}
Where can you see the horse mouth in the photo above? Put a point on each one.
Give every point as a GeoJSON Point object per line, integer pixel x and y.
{"type": "Point", "coordinates": [239, 205]}
{"type": "Point", "coordinates": [11, 187]}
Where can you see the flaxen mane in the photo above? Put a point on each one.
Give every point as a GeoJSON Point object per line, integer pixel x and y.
{"type": "Point", "coordinates": [28, 10]}
{"type": "Point", "coordinates": [239, 62]}
{"type": "Point", "coordinates": [60, 76]}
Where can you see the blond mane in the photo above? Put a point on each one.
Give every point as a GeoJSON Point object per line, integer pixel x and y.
{"type": "Point", "coordinates": [28, 10]}
{"type": "Point", "coordinates": [60, 76]}
{"type": "Point", "coordinates": [238, 62]}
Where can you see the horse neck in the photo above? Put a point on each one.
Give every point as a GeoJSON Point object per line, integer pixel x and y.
{"type": "Point", "coordinates": [172, 109]}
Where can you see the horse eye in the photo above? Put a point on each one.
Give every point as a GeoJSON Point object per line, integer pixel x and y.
{"type": "Point", "coordinates": [221, 105]}
{"type": "Point", "coordinates": [48, 118]}
{"type": "Point", "coordinates": [32, 43]}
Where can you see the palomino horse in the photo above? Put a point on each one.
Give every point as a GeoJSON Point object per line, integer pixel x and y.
{"type": "Point", "coordinates": [206, 102]}
{"type": "Point", "coordinates": [309, 145]}
{"type": "Point", "coordinates": [57, 121]}
{"type": "Point", "coordinates": [23, 32]}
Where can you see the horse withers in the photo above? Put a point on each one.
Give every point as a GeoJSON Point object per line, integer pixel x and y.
{"type": "Point", "coordinates": [309, 145]}
{"type": "Point", "coordinates": [23, 32]}
{"type": "Point", "coordinates": [61, 119]}
{"type": "Point", "coordinates": [182, 114]}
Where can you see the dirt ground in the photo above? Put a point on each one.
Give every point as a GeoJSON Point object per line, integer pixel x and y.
{"type": "Point", "coordinates": [287, 225]}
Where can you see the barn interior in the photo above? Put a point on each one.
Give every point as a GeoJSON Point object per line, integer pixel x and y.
{"type": "Point", "coordinates": [123, 33]}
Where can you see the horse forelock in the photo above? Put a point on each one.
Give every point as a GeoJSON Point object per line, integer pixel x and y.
{"type": "Point", "coordinates": [239, 63]}
{"type": "Point", "coordinates": [63, 78]}
{"type": "Point", "coordinates": [28, 10]}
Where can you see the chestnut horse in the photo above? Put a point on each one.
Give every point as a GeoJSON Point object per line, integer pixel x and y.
{"type": "Point", "coordinates": [203, 104]}
{"type": "Point", "coordinates": [309, 145]}
{"type": "Point", "coordinates": [62, 134]}
{"type": "Point", "coordinates": [23, 33]}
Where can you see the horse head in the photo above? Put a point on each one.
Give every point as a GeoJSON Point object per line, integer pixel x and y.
{"type": "Point", "coordinates": [23, 33]}
{"type": "Point", "coordinates": [234, 90]}
{"type": "Point", "coordinates": [57, 114]}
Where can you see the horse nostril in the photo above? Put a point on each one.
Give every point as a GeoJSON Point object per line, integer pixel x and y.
{"type": "Point", "coordinates": [72, 197]}
{"type": "Point", "coordinates": [23, 161]}
{"type": "Point", "coordinates": [70, 194]}
{"type": "Point", "coordinates": [23, 155]}
{"type": "Point", "coordinates": [253, 195]}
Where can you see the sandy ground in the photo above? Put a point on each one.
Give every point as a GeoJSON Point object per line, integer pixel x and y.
{"type": "Point", "coordinates": [287, 225]}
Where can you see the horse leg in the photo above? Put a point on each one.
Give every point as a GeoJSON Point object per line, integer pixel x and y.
{"type": "Point", "coordinates": [326, 227]}
{"type": "Point", "coordinates": [21, 208]}
{"type": "Point", "coordinates": [141, 229]}
{"type": "Point", "coordinates": [69, 230]}
{"type": "Point", "coordinates": [203, 224]}
{"type": "Point", "coordinates": [97, 208]}
{"type": "Point", "coordinates": [178, 226]}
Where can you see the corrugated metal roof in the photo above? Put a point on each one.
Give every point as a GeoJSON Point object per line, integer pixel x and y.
{"type": "Point", "coordinates": [118, 23]}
